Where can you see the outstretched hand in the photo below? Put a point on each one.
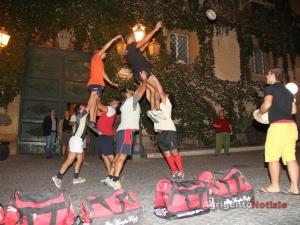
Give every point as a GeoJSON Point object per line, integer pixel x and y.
{"type": "Point", "coordinates": [158, 25]}
{"type": "Point", "coordinates": [114, 85]}
{"type": "Point", "coordinates": [118, 36]}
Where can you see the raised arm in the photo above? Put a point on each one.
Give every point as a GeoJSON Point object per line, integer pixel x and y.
{"type": "Point", "coordinates": [107, 45]}
{"type": "Point", "coordinates": [108, 80]}
{"type": "Point", "coordinates": [102, 107]}
{"type": "Point", "coordinates": [142, 88]}
{"type": "Point", "coordinates": [141, 43]}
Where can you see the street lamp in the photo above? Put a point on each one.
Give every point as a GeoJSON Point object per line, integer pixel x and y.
{"type": "Point", "coordinates": [4, 38]}
{"type": "Point", "coordinates": [139, 32]}
{"type": "Point", "coordinates": [121, 47]}
{"type": "Point", "coordinates": [154, 48]}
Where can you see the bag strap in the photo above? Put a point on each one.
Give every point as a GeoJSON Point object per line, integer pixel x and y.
{"type": "Point", "coordinates": [199, 190]}
{"type": "Point", "coordinates": [121, 198]}
{"type": "Point", "coordinates": [102, 201]}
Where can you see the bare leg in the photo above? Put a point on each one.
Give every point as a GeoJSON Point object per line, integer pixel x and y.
{"type": "Point", "coordinates": [69, 161]}
{"type": "Point", "coordinates": [293, 170]}
{"type": "Point", "coordinates": [118, 165]}
{"type": "Point", "coordinates": [108, 160]}
{"type": "Point", "coordinates": [154, 82]}
{"type": "Point", "coordinates": [151, 92]}
{"type": "Point", "coordinates": [274, 170]}
{"type": "Point", "coordinates": [92, 106]}
{"type": "Point", "coordinates": [78, 162]}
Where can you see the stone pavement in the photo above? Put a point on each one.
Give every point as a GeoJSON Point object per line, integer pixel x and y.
{"type": "Point", "coordinates": [33, 173]}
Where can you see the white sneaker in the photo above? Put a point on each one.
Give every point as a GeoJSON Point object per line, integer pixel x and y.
{"type": "Point", "coordinates": [108, 182]}
{"type": "Point", "coordinates": [116, 185]}
{"type": "Point", "coordinates": [106, 179]}
{"type": "Point", "coordinates": [180, 175]}
{"type": "Point", "coordinates": [57, 182]}
{"type": "Point", "coordinates": [158, 113]}
{"type": "Point", "coordinates": [151, 115]}
{"type": "Point", "coordinates": [79, 180]}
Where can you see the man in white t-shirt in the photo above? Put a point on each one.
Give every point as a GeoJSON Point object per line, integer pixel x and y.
{"type": "Point", "coordinates": [167, 138]}
{"type": "Point", "coordinates": [130, 117]}
{"type": "Point", "coordinates": [75, 152]}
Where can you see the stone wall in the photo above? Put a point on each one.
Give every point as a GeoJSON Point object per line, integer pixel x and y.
{"type": "Point", "coordinates": [227, 56]}
{"type": "Point", "coordinates": [10, 132]}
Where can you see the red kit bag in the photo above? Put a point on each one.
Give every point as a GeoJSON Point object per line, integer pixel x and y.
{"type": "Point", "coordinates": [121, 207]}
{"type": "Point", "coordinates": [46, 208]}
{"type": "Point", "coordinates": [175, 200]}
{"type": "Point", "coordinates": [229, 188]}
{"type": "Point", "coordinates": [2, 214]}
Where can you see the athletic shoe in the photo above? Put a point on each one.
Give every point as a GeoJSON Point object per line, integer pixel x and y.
{"type": "Point", "coordinates": [158, 113]}
{"type": "Point", "coordinates": [151, 115]}
{"type": "Point", "coordinates": [79, 180]}
{"type": "Point", "coordinates": [116, 185]}
{"type": "Point", "coordinates": [180, 175]}
{"type": "Point", "coordinates": [106, 179]}
{"type": "Point", "coordinates": [82, 113]}
{"type": "Point", "coordinates": [174, 176]}
{"type": "Point", "coordinates": [57, 182]}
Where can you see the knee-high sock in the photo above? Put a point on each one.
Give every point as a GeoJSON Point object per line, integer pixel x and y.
{"type": "Point", "coordinates": [171, 163]}
{"type": "Point", "coordinates": [178, 162]}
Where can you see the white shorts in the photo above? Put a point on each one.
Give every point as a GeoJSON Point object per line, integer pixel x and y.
{"type": "Point", "coordinates": [76, 144]}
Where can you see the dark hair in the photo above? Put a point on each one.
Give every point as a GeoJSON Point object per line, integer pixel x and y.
{"type": "Point", "coordinates": [279, 74]}
{"type": "Point", "coordinates": [122, 92]}
{"type": "Point", "coordinates": [50, 109]}
{"type": "Point", "coordinates": [172, 99]}
{"type": "Point", "coordinates": [126, 37]}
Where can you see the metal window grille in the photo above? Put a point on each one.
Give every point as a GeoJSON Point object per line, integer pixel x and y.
{"type": "Point", "coordinates": [258, 61]}
{"type": "Point", "coordinates": [179, 47]}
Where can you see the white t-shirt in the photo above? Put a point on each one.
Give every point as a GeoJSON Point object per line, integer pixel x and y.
{"type": "Point", "coordinates": [73, 119]}
{"type": "Point", "coordinates": [168, 123]}
{"type": "Point", "coordinates": [110, 111]}
{"type": "Point", "coordinates": [130, 116]}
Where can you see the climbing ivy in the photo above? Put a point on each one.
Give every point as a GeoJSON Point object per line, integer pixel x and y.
{"type": "Point", "coordinates": [196, 87]}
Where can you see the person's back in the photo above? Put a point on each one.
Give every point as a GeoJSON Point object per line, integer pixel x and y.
{"type": "Point", "coordinates": [130, 116]}
{"type": "Point", "coordinates": [281, 108]}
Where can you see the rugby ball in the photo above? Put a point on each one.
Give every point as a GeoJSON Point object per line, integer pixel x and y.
{"type": "Point", "coordinates": [292, 87]}
{"type": "Point", "coordinates": [211, 14]}
{"type": "Point", "coordinates": [264, 119]}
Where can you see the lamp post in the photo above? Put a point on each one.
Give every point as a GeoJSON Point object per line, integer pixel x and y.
{"type": "Point", "coordinates": [139, 32]}
{"type": "Point", "coordinates": [4, 38]}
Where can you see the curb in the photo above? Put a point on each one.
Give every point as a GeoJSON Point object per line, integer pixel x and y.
{"type": "Point", "coordinates": [209, 151]}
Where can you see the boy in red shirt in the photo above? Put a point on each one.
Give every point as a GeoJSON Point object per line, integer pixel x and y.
{"type": "Point", "coordinates": [223, 130]}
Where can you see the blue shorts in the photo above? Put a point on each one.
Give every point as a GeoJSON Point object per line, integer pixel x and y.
{"type": "Point", "coordinates": [97, 88]}
{"type": "Point", "coordinates": [124, 141]}
{"type": "Point", "coordinates": [105, 145]}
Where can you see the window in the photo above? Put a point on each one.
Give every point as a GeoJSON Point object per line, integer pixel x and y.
{"type": "Point", "coordinates": [179, 47]}
{"type": "Point", "coordinates": [258, 61]}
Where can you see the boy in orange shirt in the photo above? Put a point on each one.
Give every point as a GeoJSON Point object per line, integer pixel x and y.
{"type": "Point", "coordinates": [96, 82]}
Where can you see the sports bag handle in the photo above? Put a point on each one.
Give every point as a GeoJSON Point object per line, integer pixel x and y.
{"type": "Point", "coordinates": [186, 183]}
{"type": "Point", "coordinates": [121, 198]}
{"type": "Point", "coordinates": [186, 193]}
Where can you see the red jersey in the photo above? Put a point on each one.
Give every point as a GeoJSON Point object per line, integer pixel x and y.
{"type": "Point", "coordinates": [224, 125]}
{"type": "Point", "coordinates": [105, 124]}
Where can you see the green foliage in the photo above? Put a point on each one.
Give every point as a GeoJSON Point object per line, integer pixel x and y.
{"type": "Point", "coordinates": [196, 88]}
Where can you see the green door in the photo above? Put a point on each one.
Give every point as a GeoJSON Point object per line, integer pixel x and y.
{"type": "Point", "coordinates": [53, 78]}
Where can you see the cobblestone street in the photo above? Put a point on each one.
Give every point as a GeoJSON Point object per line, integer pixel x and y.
{"type": "Point", "coordinates": [33, 173]}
